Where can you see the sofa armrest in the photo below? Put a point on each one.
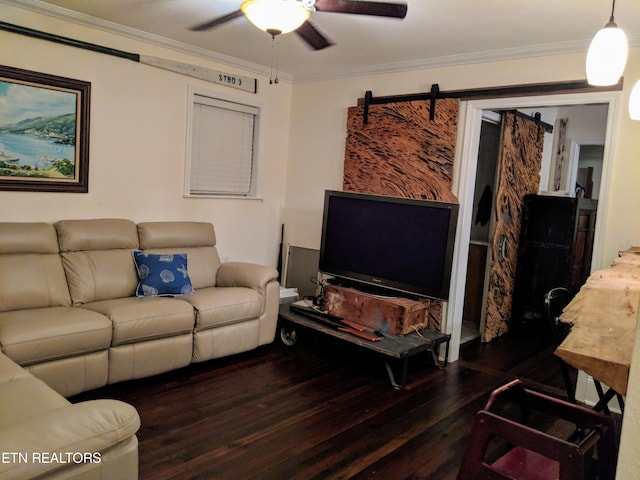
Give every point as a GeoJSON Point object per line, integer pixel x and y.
{"type": "Point", "coordinates": [73, 434]}
{"type": "Point", "coordinates": [242, 274]}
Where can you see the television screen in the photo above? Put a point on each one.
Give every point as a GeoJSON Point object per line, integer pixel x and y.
{"type": "Point", "coordinates": [395, 243]}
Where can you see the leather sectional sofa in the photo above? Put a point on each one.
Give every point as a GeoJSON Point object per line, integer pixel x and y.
{"type": "Point", "coordinates": [77, 312]}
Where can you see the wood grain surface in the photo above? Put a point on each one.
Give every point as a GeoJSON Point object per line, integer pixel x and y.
{"type": "Point", "coordinates": [518, 175]}
{"type": "Point", "coordinates": [603, 316]}
{"type": "Point", "coordinates": [322, 409]}
{"type": "Point", "coordinates": [400, 152]}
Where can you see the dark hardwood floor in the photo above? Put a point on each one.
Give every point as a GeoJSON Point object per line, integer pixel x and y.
{"type": "Point", "coordinates": [321, 410]}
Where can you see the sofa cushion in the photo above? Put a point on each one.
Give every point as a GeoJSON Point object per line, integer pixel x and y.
{"type": "Point", "coordinates": [223, 306]}
{"type": "Point", "coordinates": [96, 255]}
{"type": "Point", "coordinates": [96, 234]}
{"type": "Point", "coordinates": [44, 334]}
{"type": "Point", "coordinates": [100, 275]}
{"type": "Point", "coordinates": [32, 281]}
{"type": "Point", "coordinates": [136, 319]}
{"type": "Point", "coordinates": [31, 273]}
{"type": "Point", "coordinates": [175, 234]}
{"type": "Point", "coordinates": [196, 239]}
{"type": "Point", "coordinates": [165, 274]}
{"type": "Point", "coordinates": [27, 237]}
{"type": "Point", "coordinates": [23, 396]}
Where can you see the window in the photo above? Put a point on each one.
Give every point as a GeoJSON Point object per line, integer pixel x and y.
{"type": "Point", "coordinates": [221, 153]}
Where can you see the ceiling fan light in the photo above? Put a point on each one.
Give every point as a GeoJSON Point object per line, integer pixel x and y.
{"type": "Point", "coordinates": [634, 102]}
{"type": "Point", "coordinates": [275, 16]}
{"type": "Point", "coordinates": [607, 56]}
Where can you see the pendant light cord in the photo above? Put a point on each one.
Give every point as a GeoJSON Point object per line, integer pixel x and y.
{"type": "Point", "coordinates": [613, 7]}
{"type": "Point", "coordinates": [274, 60]}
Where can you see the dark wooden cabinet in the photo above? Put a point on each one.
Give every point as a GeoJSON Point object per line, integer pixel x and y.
{"type": "Point", "coordinates": [556, 245]}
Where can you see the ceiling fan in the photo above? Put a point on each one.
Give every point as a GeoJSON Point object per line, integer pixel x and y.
{"type": "Point", "coordinates": [283, 16]}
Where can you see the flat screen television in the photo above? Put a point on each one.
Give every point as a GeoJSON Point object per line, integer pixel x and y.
{"type": "Point", "coordinates": [396, 244]}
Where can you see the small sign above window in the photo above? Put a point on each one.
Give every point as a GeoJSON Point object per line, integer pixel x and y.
{"type": "Point", "coordinates": [237, 81]}
{"type": "Point", "coordinates": [240, 82]}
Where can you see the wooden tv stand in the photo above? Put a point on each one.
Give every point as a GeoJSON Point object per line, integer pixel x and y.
{"type": "Point", "coordinates": [399, 348]}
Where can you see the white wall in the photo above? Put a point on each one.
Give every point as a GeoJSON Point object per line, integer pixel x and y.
{"type": "Point", "coordinates": [628, 458]}
{"type": "Point", "coordinates": [137, 140]}
{"type": "Point", "coordinates": [586, 125]}
{"type": "Point", "coordinates": [319, 111]}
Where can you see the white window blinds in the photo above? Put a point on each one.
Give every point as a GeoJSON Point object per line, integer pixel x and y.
{"type": "Point", "coordinates": [222, 148]}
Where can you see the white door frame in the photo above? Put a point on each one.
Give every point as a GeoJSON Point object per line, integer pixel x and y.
{"type": "Point", "coordinates": [574, 159]}
{"type": "Point", "coordinates": [470, 121]}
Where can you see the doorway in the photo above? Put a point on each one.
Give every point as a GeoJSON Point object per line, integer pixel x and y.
{"type": "Point", "coordinates": [480, 236]}
{"type": "Point", "coordinates": [510, 165]}
{"type": "Point", "coordinates": [471, 120]}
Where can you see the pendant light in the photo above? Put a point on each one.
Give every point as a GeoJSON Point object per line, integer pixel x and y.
{"type": "Point", "coordinates": [634, 102]}
{"type": "Point", "coordinates": [607, 54]}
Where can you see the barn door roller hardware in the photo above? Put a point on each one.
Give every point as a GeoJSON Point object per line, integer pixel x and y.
{"type": "Point", "coordinates": [435, 93]}
{"type": "Point", "coordinates": [543, 127]}
{"type": "Point", "coordinates": [370, 100]}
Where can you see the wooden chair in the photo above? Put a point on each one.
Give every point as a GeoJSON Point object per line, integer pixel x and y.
{"type": "Point", "coordinates": [507, 443]}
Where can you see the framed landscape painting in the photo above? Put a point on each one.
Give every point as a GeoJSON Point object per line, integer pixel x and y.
{"type": "Point", "coordinates": [44, 132]}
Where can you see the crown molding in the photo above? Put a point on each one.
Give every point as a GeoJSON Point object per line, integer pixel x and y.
{"type": "Point", "coordinates": [518, 53]}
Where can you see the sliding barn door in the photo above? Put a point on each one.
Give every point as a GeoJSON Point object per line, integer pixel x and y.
{"type": "Point", "coordinates": [401, 152]}
{"type": "Point", "coordinates": [518, 175]}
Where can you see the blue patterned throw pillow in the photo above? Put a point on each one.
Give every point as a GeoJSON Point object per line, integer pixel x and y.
{"type": "Point", "coordinates": [164, 274]}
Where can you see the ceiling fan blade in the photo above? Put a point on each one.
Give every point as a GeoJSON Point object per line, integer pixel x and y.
{"type": "Point", "coordinates": [216, 21]}
{"type": "Point", "coordinates": [312, 36]}
{"type": "Point", "coordinates": [361, 7]}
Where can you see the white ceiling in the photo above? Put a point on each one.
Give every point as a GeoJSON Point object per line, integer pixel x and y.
{"type": "Point", "coordinates": [434, 33]}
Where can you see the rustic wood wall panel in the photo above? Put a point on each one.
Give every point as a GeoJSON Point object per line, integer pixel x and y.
{"type": "Point", "coordinates": [401, 152]}
{"type": "Point", "coordinates": [518, 175]}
